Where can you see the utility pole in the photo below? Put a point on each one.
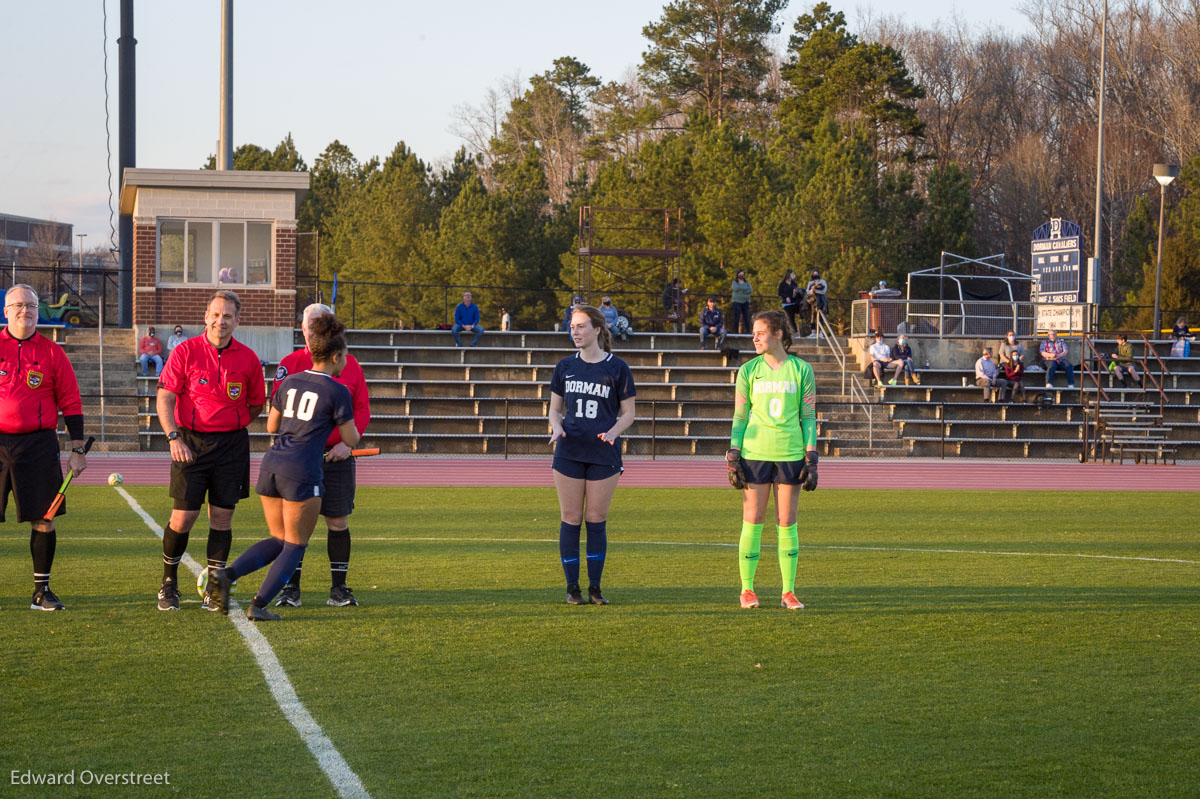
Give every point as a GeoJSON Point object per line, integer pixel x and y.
{"type": "Point", "coordinates": [1094, 283]}
{"type": "Point", "coordinates": [225, 140]}
{"type": "Point", "coordinates": [81, 237]}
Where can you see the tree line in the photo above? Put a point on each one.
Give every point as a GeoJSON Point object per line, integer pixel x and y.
{"type": "Point", "coordinates": [862, 154]}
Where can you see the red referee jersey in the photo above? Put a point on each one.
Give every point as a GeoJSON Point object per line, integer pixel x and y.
{"type": "Point", "coordinates": [36, 382]}
{"type": "Point", "coordinates": [352, 377]}
{"type": "Point", "coordinates": [215, 388]}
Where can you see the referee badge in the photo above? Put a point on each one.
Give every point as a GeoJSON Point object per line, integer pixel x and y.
{"type": "Point", "coordinates": [33, 379]}
{"type": "Point", "coordinates": [234, 390]}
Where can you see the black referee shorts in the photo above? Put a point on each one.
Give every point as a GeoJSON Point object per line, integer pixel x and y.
{"type": "Point", "coordinates": [31, 470]}
{"type": "Point", "coordinates": [220, 470]}
{"type": "Point", "coordinates": [339, 488]}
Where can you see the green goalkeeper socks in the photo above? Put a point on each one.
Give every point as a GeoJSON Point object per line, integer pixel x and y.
{"type": "Point", "coordinates": [789, 555]}
{"type": "Point", "coordinates": [748, 548]}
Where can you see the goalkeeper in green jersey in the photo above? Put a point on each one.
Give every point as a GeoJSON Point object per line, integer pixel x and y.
{"type": "Point", "coordinates": [773, 445]}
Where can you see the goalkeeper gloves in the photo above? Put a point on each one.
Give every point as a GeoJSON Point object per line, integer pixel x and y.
{"type": "Point", "coordinates": [808, 472]}
{"type": "Point", "coordinates": [736, 472]}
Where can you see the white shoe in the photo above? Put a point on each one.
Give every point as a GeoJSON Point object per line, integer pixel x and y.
{"type": "Point", "coordinates": [1049, 385]}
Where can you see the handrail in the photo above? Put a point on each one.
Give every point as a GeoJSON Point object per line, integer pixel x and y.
{"type": "Point", "coordinates": [834, 345]}
{"type": "Point", "coordinates": [858, 395]}
{"type": "Point", "coordinates": [1087, 369]}
{"type": "Point", "coordinates": [1164, 371]}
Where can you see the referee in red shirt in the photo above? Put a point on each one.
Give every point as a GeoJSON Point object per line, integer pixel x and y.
{"type": "Point", "coordinates": [208, 393]}
{"type": "Point", "coordinates": [338, 502]}
{"type": "Point", "coordinates": [36, 382]}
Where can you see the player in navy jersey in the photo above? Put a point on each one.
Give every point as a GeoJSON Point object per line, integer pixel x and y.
{"type": "Point", "coordinates": [591, 405]}
{"type": "Point", "coordinates": [307, 407]}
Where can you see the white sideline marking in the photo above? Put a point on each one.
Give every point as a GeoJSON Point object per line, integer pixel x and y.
{"type": "Point", "coordinates": [930, 551]}
{"type": "Point", "coordinates": [344, 780]}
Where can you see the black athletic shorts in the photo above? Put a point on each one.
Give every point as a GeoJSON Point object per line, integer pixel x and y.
{"type": "Point", "coordinates": [31, 470]}
{"type": "Point", "coordinates": [221, 470]}
{"type": "Point", "coordinates": [763, 472]}
{"type": "Point", "coordinates": [339, 488]}
{"type": "Point", "coordinates": [579, 470]}
{"type": "Point", "coordinates": [277, 485]}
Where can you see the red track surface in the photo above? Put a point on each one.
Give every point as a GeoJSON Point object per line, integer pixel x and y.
{"type": "Point", "coordinates": [905, 474]}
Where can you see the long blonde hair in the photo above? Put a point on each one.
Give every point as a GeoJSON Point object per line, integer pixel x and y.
{"type": "Point", "coordinates": [597, 319]}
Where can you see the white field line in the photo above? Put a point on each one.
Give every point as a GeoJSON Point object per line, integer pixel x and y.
{"type": "Point", "coordinates": [766, 545]}
{"type": "Point", "coordinates": [344, 780]}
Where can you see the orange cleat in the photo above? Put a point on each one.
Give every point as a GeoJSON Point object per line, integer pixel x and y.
{"type": "Point", "coordinates": [790, 602]}
{"type": "Point", "coordinates": [749, 600]}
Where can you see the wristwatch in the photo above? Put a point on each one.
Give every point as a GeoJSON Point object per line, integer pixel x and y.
{"type": "Point", "coordinates": [171, 436]}
{"type": "Point", "coordinates": [79, 450]}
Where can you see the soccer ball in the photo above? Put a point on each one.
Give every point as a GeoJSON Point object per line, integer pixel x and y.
{"type": "Point", "coordinates": [202, 583]}
{"type": "Point", "coordinates": [115, 479]}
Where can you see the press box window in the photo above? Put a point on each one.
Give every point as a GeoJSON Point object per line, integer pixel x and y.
{"type": "Point", "coordinates": [204, 252]}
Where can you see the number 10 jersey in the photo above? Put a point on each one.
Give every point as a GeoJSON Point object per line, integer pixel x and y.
{"type": "Point", "coordinates": [592, 394]}
{"type": "Point", "coordinates": [312, 404]}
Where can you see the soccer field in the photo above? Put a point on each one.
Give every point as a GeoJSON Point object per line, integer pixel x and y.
{"type": "Point", "coordinates": [955, 644]}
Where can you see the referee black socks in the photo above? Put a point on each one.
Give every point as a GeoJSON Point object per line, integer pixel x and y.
{"type": "Point", "coordinates": [219, 544]}
{"type": "Point", "coordinates": [339, 555]}
{"type": "Point", "coordinates": [174, 545]}
{"type": "Point", "coordinates": [41, 547]}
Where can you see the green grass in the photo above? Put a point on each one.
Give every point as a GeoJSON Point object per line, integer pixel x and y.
{"type": "Point", "coordinates": [911, 673]}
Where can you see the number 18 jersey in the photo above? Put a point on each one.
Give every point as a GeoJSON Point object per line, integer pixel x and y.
{"type": "Point", "coordinates": [312, 404]}
{"type": "Point", "coordinates": [782, 409]}
{"type": "Point", "coordinates": [592, 394]}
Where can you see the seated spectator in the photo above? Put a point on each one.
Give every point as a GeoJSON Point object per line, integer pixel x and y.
{"type": "Point", "coordinates": [1010, 346]}
{"type": "Point", "coordinates": [609, 312]}
{"type": "Point", "coordinates": [576, 304]}
{"type": "Point", "coordinates": [1121, 364]}
{"type": "Point", "coordinates": [466, 317]}
{"type": "Point", "coordinates": [881, 359]}
{"type": "Point", "coordinates": [1181, 329]}
{"type": "Point", "coordinates": [228, 274]}
{"type": "Point", "coordinates": [1014, 373]}
{"type": "Point", "coordinates": [505, 320]}
{"type": "Point", "coordinates": [712, 323]}
{"type": "Point", "coordinates": [882, 292]}
{"type": "Point", "coordinates": [987, 376]}
{"type": "Point", "coordinates": [1054, 354]}
{"type": "Point", "coordinates": [175, 339]}
{"type": "Point", "coordinates": [150, 351]}
{"type": "Point", "coordinates": [902, 353]}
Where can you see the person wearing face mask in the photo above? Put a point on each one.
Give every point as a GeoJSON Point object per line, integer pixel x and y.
{"type": "Point", "coordinates": [1014, 373]}
{"type": "Point", "coordinates": [150, 351]}
{"type": "Point", "coordinates": [739, 294]}
{"type": "Point", "coordinates": [1009, 346]}
{"type": "Point", "coordinates": [175, 339]}
{"type": "Point", "coordinates": [902, 355]}
{"type": "Point", "coordinates": [610, 315]}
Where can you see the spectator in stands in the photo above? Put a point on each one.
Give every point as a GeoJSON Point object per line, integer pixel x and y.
{"type": "Point", "coordinates": [228, 274]}
{"type": "Point", "coordinates": [1014, 373]}
{"type": "Point", "coordinates": [505, 320]}
{"type": "Point", "coordinates": [466, 317]}
{"type": "Point", "coordinates": [673, 298]}
{"type": "Point", "coordinates": [1054, 354]}
{"type": "Point", "coordinates": [881, 359]}
{"type": "Point", "coordinates": [789, 293]}
{"type": "Point", "coordinates": [1181, 329]}
{"type": "Point", "coordinates": [740, 293]}
{"type": "Point", "coordinates": [712, 323]}
{"type": "Point", "coordinates": [1121, 364]}
{"type": "Point", "coordinates": [902, 354]}
{"type": "Point", "coordinates": [576, 304]}
{"type": "Point", "coordinates": [1010, 346]}
{"type": "Point", "coordinates": [817, 301]}
{"type": "Point", "coordinates": [150, 351]}
{"type": "Point", "coordinates": [609, 312]}
{"type": "Point", "coordinates": [987, 376]}
{"type": "Point", "coordinates": [175, 339]}
{"type": "Point", "coordinates": [882, 292]}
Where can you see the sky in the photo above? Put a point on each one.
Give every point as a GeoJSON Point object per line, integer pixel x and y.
{"type": "Point", "coordinates": [369, 73]}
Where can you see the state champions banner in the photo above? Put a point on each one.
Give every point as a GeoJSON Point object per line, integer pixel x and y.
{"type": "Point", "coordinates": [1054, 262]}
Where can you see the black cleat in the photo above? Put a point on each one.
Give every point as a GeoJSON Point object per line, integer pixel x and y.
{"type": "Point", "coordinates": [209, 601]}
{"type": "Point", "coordinates": [168, 596]}
{"type": "Point", "coordinates": [255, 613]}
{"type": "Point", "coordinates": [219, 582]}
{"type": "Point", "coordinates": [289, 597]}
{"type": "Point", "coordinates": [574, 595]}
{"type": "Point", "coordinates": [44, 599]}
{"type": "Point", "coordinates": [595, 597]}
{"type": "Point", "coordinates": [340, 596]}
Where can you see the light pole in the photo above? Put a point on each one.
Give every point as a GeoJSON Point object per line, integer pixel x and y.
{"type": "Point", "coordinates": [81, 237]}
{"type": "Point", "coordinates": [1164, 174]}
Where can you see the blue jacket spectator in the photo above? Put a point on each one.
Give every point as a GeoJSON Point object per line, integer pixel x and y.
{"type": "Point", "coordinates": [466, 317]}
{"type": "Point", "coordinates": [712, 323]}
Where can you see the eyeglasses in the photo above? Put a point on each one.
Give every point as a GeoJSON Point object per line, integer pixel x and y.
{"type": "Point", "coordinates": [23, 306]}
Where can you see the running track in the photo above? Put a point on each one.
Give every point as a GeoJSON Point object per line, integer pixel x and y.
{"type": "Point", "coordinates": [907, 474]}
